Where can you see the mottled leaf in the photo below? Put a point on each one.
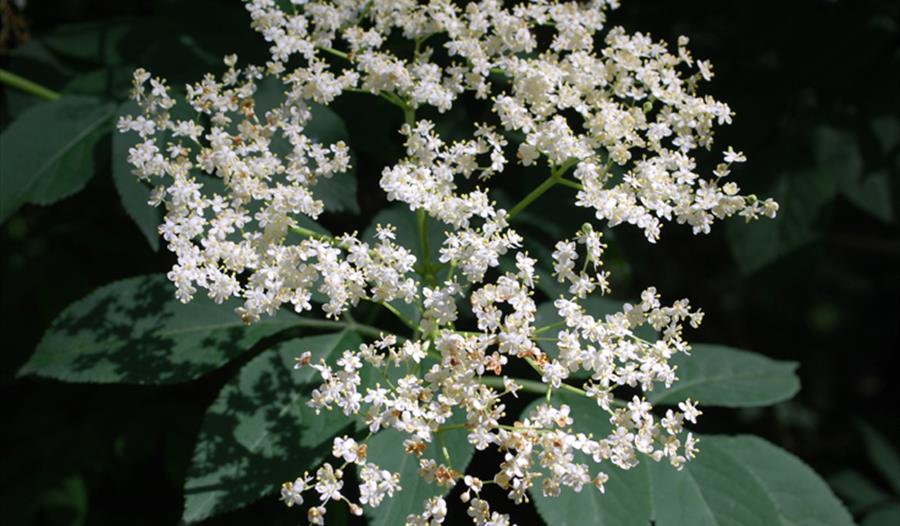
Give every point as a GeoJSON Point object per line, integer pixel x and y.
{"type": "Point", "coordinates": [134, 331]}
{"type": "Point", "coordinates": [386, 450]}
{"type": "Point", "coordinates": [259, 432]}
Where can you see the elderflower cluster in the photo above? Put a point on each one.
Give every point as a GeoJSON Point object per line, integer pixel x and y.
{"type": "Point", "coordinates": [239, 181]}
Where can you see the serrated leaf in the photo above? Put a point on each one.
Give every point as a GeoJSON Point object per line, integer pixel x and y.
{"type": "Point", "coordinates": [48, 153]}
{"type": "Point", "coordinates": [882, 455]}
{"type": "Point", "coordinates": [134, 194]}
{"type": "Point", "coordinates": [259, 432]}
{"type": "Point", "coordinates": [799, 494]}
{"type": "Point", "coordinates": [386, 450]}
{"type": "Point", "coordinates": [733, 481]}
{"type": "Point", "coordinates": [134, 331]}
{"type": "Point", "coordinates": [712, 490]}
{"type": "Point", "coordinates": [722, 376]}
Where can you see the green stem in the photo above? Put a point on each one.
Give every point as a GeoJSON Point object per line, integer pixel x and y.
{"type": "Point", "coordinates": [332, 51]}
{"type": "Point", "coordinates": [545, 328]}
{"type": "Point", "coordinates": [406, 321]}
{"type": "Point", "coordinates": [529, 386]}
{"type": "Point", "coordinates": [11, 79]}
{"type": "Point", "coordinates": [549, 183]}
{"type": "Point", "coordinates": [305, 232]}
{"type": "Point", "coordinates": [422, 226]}
{"type": "Point", "coordinates": [571, 184]}
{"type": "Point", "coordinates": [361, 328]}
{"type": "Point", "coordinates": [556, 176]}
{"type": "Point", "coordinates": [450, 427]}
{"type": "Point", "coordinates": [409, 114]}
{"type": "Point", "coordinates": [444, 450]}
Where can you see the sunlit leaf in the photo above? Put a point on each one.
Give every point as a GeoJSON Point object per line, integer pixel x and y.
{"type": "Point", "coordinates": [386, 450]}
{"type": "Point", "coordinates": [259, 432]}
{"type": "Point", "coordinates": [733, 481]}
{"type": "Point", "coordinates": [135, 331]}
{"type": "Point", "coordinates": [726, 377]}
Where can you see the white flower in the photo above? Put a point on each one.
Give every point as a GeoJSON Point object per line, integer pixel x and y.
{"type": "Point", "coordinates": [620, 118]}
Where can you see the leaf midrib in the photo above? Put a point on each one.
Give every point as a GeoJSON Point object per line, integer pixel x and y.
{"type": "Point", "coordinates": [681, 386]}
{"type": "Point", "coordinates": [63, 151]}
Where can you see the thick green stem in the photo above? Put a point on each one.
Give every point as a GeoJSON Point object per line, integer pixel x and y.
{"type": "Point", "coordinates": [427, 272]}
{"type": "Point", "coordinates": [409, 114]}
{"type": "Point", "coordinates": [549, 183]}
{"type": "Point", "coordinates": [11, 79]}
{"type": "Point", "coordinates": [556, 177]}
{"type": "Point", "coordinates": [571, 184]}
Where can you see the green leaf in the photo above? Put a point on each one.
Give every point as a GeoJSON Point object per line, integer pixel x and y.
{"type": "Point", "coordinates": [66, 502]}
{"type": "Point", "coordinates": [626, 501]}
{"type": "Point", "coordinates": [883, 456]}
{"type": "Point", "coordinates": [885, 516]}
{"type": "Point", "coordinates": [259, 432]}
{"type": "Point", "coordinates": [386, 450]}
{"type": "Point", "coordinates": [48, 153]}
{"type": "Point", "coordinates": [134, 331]}
{"type": "Point", "coordinates": [338, 192]}
{"type": "Point", "coordinates": [798, 493]}
{"type": "Point", "coordinates": [733, 481]}
{"type": "Point", "coordinates": [34, 61]}
{"type": "Point", "coordinates": [97, 42]}
{"type": "Point", "coordinates": [802, 194]}
{"type": "Point", "coordinates": [110, 82]}
{"type": "Point", "coordinates": [714, 489]}
{"type": "Point", "coordinates": [872, 194]}
{"type": "Point", "coordinates": [857, 491]}
{"type": "Point", "coordinates": [133, 193]}
{"type": "Point", "coordinates": [722, 376]}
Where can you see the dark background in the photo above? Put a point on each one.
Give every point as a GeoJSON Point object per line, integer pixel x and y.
{"type": "Point", "coordinates": [815, 88]}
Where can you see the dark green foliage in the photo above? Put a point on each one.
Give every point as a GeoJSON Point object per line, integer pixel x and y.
{"type": "Point", "coordinates": [815, 89]}
{"type": "Point", "coordinates": [59, 162]}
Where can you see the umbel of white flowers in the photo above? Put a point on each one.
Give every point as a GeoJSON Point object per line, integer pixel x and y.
{"type": "Point", "coordinates": [633, 109]}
